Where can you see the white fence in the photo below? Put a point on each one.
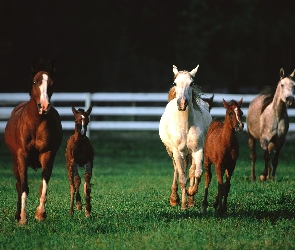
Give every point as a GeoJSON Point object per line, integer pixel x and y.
{"type": "Point", "coordinates": [118, 111]}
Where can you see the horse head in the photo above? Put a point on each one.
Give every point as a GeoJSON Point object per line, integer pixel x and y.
{"type": "Point", "coordinates": [41, 89]}
{"type": "Point", "coordinates": [287, 87]}
{"type": "Point", "coordinates": [81, 120]}
{"type": "Point", "coordinates": [183, 81]}
{"type": "Point", "coordinates": [234, 114]}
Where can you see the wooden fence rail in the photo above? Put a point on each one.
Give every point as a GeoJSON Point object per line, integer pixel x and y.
{"type": "Point", "coordinates": [118, 111]}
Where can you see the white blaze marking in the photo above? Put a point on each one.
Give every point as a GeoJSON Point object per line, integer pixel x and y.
{"type": "Point", "coordinates": [82, 129]}
{"type": "Point", "coordinates": [43, 92]}
{"type": "Point", "coordinates": [236, 111]}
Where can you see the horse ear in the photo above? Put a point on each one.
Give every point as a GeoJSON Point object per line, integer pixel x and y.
{"type": "Point", "coordinates": [225, 104]}
{"type": "Point", "coordinates": [282, 73]}
{"type": "Point", "coordinates": [240, 102]}
{"type": "Point", "coordinates": [75, 111]}
{"type": "Point", "coordinates": [89, 110]}
{"type": "Point", "coordinates": [292, 74]}
{"type": "Point", "coordinates": [194, 71]}
{"type": "Point", "coordinates": [51, 66]}
{"type": "Point", "coordinates": [175, 70]}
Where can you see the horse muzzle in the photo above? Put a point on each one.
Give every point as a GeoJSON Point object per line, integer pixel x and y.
{"type": "Point", "coordinates": [289, 101]}
{"type": "Point", "coordinates": [182, 104]}
{"type": "Point", "coordinates": [240, 126]}
{"type": "Point", "coordinates": [42, 110]}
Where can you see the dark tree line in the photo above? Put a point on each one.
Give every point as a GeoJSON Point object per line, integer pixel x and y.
{"type": "Point", "coordinates": [131, 45]}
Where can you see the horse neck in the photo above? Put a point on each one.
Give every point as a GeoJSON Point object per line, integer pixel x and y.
{"type": "Point", "coordinates": [278, 106]}
{"type": "Point", "coordinates": [227, 131]}
{"type": "Point", "coordinates": [32, 111]}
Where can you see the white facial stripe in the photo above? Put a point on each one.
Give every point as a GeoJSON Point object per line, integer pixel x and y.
{"type": "Point", "coordinates": [236, 111]}
{"type": "Point", "coordinates": [82, 129]}
{"type": "Point", "coordinates": [43, 91]}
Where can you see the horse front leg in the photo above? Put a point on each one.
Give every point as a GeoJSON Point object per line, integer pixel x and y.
{"type": "Point", "coordinates": [195, 175]}
{"type": "Point", "coordinates": [20, 173]}
{"type": "Point", "coordinates": [46, 160]}
{"type": "Point", "coordinates": [275, 159]}
{"type": "Point", "coordinates": [180, 165]}
{"type": "Point", "coordinates": [220, 193]}
{"type": "Point", "coordinates": [226, 188]}
{"type": "Point", "coordinates": [208, 177]}
{"type": "Point", "coordinates": [87, 187]}
{"type": "Point", "coordinates": [252, 146]}
{"type": "Point", "coordinates": [267, 166]}
{"type": "Point", "coordinates": [174, 198]}
{"type": "Point", "coordinates": [71, 185]}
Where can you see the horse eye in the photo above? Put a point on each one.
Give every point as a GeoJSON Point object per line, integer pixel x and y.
{"type": "Point", "coordinates": [230, 114]}
{"type": "Point", "coordinates": [35, 83]}
{"type": "Point", "coordinates": [174, 83]}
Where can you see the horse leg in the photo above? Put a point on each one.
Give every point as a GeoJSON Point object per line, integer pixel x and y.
{"type": "Point", "coordinates": [46, 161]}
{"type": "Point", "coordinates": [180, 165]}
{"type": "Point", "coordinates": [87, 187]}
{"type": "Point", "coordinates": [195, 175]}
{"type": "Point", "coordinates": [77, 183]}
{"type": "Point", "coordinates": [208, 177]}
{"type": "Point", "coordinates": [72, 187]}
{"type": "Point", "coordinates": [220, 192]}
{"type": "Point", "coordinates": [267, 167]}
{"type": "Point", "coordinates": [252, 146]}
{"type": "Point", "coordinates": [275, 160]}
{"type": "Point", "coordinates": [228, 173]}
{"type": "Point", "coordinates": [20, 173]}
{"type": "Point", "coordinates": [174, 198]}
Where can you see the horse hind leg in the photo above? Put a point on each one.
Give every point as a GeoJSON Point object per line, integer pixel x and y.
{"type": "Point", "coordinates": [226, 189]}
{"type": "Point", "coordinates": [252, 146]}
{"type": "Point", "coordinates": [87, 188]}
{"type": "Point", "coordinates": [275, 161]}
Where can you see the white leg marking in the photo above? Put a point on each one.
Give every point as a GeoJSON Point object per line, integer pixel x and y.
{"type": "Point", "coordinates": [24, 198]}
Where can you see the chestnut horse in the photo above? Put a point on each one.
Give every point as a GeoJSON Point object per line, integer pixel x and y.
{"type": "Point", "coordinates": [222, 149]}
{"type": "Point", "coordinates": [33, 135]}
{"type": "Point", "coordinates": [268, 122]}
{"type": "Point", "coordinates": [80, 153]}
{"type": "Point", "coordinates": [182, 129]}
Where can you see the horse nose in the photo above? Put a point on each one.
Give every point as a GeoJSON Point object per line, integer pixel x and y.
{"type": "Point", "coordinates": [182, 103]}
{"type": "Point", "coordinates": [289, 100]}
{"type": "Point", "coordinates": [241, 126]}
{"type": "Point", "coordinates": [43, 108]}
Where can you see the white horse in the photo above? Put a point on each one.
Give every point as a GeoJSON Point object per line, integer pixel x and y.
{"type": "Point", "coordinates": [182, 129]}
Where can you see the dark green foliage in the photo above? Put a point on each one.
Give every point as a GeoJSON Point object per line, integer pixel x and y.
{"type": "Point", "coordinates": [131, 185]}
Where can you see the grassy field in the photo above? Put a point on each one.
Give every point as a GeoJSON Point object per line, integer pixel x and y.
{"type": "Point", "coordinates": [131, 186]}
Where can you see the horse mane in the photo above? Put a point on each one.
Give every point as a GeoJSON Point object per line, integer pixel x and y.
{"type": "Point", "coordinates": [268, 94]}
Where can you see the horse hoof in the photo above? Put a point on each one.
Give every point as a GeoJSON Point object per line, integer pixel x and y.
{"type": "Point", "coordinates": [79, 207]}
{"type": "Point", "coordinates": [40, 215]}
{"type": "Point", "coordinates": [87, 214]}
{"type": "Point", "coordinates": [183, 207]}
{"type": "Point", "coordinates": [262, 177]}
{"type": "Point", "coordinates": [22, 221]}
{"type": "Point", "coordinates": [174, 200]}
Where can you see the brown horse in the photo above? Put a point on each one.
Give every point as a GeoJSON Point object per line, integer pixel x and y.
{"type": "Point", "coordinates": [80, 153]}
{"type": "Point", "coordinates": [268, 121]}
{"type": "Point", "coordinates": [222, 149]}
{"type": "Point", "coordinates": [33, 135]}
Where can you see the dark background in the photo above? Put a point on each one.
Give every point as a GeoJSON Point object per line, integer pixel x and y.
{"type": "Point", "coordinates": [131, 45]}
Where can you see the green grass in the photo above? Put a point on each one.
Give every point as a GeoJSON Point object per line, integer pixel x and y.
{"type": "Point", "coordinates": [131, 186]}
